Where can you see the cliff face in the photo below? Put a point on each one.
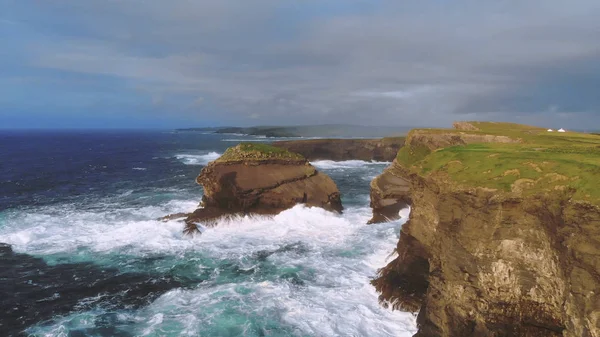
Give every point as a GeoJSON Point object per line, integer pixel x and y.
{"type": "Point", "coordinates": [474, 263]}
{"type": "Point", "coordinates": [384, 149]}
{"type": "Point", "coordinates": [478, 261]}
{"type": "Point", "coordinates": [390, 192]}
{"type": "Point", "coordinates": [261, 179]}
{"type": "Point", "coordinates": [446, 139]}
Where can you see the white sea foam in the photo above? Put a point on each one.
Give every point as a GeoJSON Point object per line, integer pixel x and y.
{"type": "Point", "coordinates": [339, 255]}
{"type": "Point", "coordinates": [139, 168]}
{"type": "Point", "coordinates": [248, 139]}
{"type": "Point", "coordinates": [235, 134]}
{"type": "Point", "coordinates": [198, 159]}
{"type": "Point", "coordinates": [65, 229]}
{"type": "Point", "coordinates": [404, 213]}
{"type": "Point", "coordinates": [346, 164]}
{"type": "Point", "coordinates": [340, 251]}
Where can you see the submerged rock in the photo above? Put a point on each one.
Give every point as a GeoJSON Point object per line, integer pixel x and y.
{"type": "Point", "coordinates": [33, 291]}
{"type": "Point", "coordinates": [261, 179]}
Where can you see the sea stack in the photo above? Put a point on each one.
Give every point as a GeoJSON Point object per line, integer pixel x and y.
{"type": "Point", "coordinates": [504, 231]}
{"type": "Point", "coordinates": [261, 179]}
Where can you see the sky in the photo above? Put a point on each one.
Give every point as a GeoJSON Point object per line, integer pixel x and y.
{"type": "Point", "coordinates": [185, 63]}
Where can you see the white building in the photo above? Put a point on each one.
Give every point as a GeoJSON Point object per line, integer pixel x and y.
{"type": "Point", "coordinates": [561, 130]}
{"type": "Point", "coordinates": [550, 130]}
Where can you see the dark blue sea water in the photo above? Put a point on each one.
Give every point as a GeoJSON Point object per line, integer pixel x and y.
{"type": "Point", "coordinates": [83, 254]}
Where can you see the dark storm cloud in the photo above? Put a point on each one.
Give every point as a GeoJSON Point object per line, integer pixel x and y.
{"type": "Point", "coordinates": [377, 62]}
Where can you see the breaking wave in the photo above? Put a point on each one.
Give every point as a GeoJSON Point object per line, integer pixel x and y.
{"type": "Point", "coordinates": [198, 159]}
{"type": "Point", "coordinates": [248, 139]}
{"type": "Point", "coordinates": [346, 164]}
{"type": "Point", "coordinates": [303, 272]}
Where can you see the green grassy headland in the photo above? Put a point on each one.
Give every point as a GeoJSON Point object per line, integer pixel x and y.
{"type": "Point", "coordinates": [255, 151]}
{"type": "Point", "coordinates": [540, 161]}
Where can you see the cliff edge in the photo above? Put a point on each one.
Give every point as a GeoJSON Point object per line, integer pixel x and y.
{"type": "Point", "coordinates": [504, 231]}
{"type": "Point", "coordinates": [384, 149]}
{"type": "Point", "coordinates": [261, 179]}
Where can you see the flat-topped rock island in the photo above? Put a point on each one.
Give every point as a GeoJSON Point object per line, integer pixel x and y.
{"type": "Point", "coordinates": [261, 179]}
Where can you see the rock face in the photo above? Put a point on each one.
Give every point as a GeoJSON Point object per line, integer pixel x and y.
{"type": "Point", "coordinates": [464, 126]}
{"type": "Point", "coordinates": [389, 191]}
{"type": "Point", "coordinates": [480, 262]}
{"type": "Point", "coordinates": [389, 194]}
{"type": "Point", "coordinates": [384, 149]}
{"type": "Point", "coordinates": [474, 263]}
{"type": "Point", "coordinates": [441, 140]}
{"type": "Point", "coordinates": [260, 179]}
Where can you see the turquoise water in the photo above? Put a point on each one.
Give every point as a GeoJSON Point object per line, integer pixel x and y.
{"type": "Point", "coordinates": [304, 272]}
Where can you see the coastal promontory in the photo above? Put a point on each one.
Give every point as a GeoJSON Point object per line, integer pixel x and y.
{"type": "Point", "coordinates": [261, 179]}
{"type": "Point", "coordinates": [383, 149]}
{"type": "Point", "coordinates": [504, 231]}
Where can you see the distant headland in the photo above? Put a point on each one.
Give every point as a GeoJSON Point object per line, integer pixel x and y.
{"type": "Point", "coordinates": [325, 130]}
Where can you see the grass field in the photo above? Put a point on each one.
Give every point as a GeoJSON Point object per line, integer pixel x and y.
{"type": "Point", "coordinates": [540, 161]}
{"type": "Point", "coordinates": [255, 151]}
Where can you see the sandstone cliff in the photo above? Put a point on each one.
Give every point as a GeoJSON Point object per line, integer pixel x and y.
{"type": "Point", "coordinates": [389, 191]}
{"type": "Point", "coordinates": [389, 194]}
{"type": "Point", "coordinates": [261, 179]}
{"type": "Point", "coordinates": [515, 253]}
{"type": "Point", "coordinates": [384, 149]}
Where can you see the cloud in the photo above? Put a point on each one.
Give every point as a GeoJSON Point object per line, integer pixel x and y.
{"type": "Point", "coordinates": [364, 62]}
{"type": "Point", "coordinates": [7, 22]}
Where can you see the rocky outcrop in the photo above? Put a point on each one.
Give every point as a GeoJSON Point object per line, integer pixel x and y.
{"type": "Point", "coordinates": [465, 126]}
{"type": "Point", "coordinates": [476, 261]}
{"type": "Point", "coordinates": [390, 192]}
{"type": "Point", "coordinates": [448, 138]}
{"type": "Point", "coordinates": [384, 149]}
{"type": "Point", "coordinates": [260, 179]}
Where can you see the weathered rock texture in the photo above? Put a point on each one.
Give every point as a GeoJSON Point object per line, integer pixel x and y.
{"type": "Point", "coordinates": [480, 262]}
{"type": "Point", "coordinates": [262, 184]}
{"type": "Point", "coordinates": [389, 191]}
{"type": "Point", "coordinates": [476, 263]}
{"type": "Point", "coordinates": [466, 126]}
{"type": "Point", "coordinates": [445, 139]}
{"type": "Point", "coordinates": [384, 149]}
{"type": "Point", "coordinates": [389, 194]}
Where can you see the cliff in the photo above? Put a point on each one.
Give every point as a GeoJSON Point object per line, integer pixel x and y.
{"type": "Point", "coordinates": [261, 179]}
{"type": "Point", "coordinates": [323, 130]}
{"type": "Point", "coordinates": [384, 149]}
{"type": "Point", "coordinates": [389, 191]}
{"type": "Point", "coordinates": [504, 231]}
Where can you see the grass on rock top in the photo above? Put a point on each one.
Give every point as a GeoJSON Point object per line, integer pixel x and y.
{"type": "Point", "coordinates": [254, 151]}
{"type": "Point", "coordinates": [541, 161]}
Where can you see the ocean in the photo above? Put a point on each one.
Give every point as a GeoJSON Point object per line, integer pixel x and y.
{"type": "Point", "coordinates": [83, 254]}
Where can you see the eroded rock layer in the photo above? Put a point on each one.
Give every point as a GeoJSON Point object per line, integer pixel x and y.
{"type": "Point", "coordinates": [390, 192]}
{"type": "Point", "coordinates": [476, 264]}
{"type": "Point", "coordinates": [479, 261]}
{"type": "Point", "coordinates": [384, 149]}
{"type": "Point", "coordinates": [261, 182]}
